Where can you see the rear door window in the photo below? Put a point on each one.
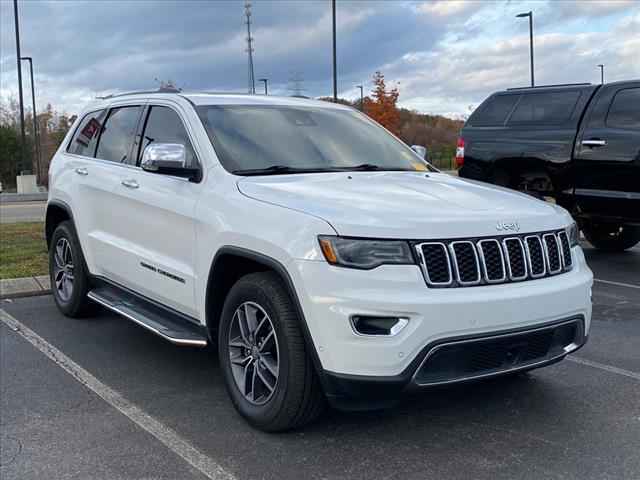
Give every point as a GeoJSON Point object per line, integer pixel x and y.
{"type": "Point", "coordinates": [495, 112]}
{"type": "Point", "coordinates": [85, 138]}
{"type": "Point", "coordinates": [117, 136]}
{"type": "Point", "coordinates": [165, 126]}
{"type": "Point", "coordinates": [625, 110]}
{"type": "Point", "coordinates": [545, 108]}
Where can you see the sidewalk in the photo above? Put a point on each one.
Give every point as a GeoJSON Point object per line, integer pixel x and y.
{"type": "Point", "coordinates": [25, 287]}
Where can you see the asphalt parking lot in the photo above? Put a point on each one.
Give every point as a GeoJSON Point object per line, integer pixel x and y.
{"type": "Point", "coordinates": [161, 411]}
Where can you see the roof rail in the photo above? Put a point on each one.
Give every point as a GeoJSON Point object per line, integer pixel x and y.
{"type": "Point", "coordinates": [138, 92]}
{"type": "Point", "coordinates": [548, 86]}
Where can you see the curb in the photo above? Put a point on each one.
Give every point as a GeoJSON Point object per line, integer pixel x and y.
{"type": "Point", "coordinates": [23, 197]}
{"type": "Point", "coordinates": [24, 287]}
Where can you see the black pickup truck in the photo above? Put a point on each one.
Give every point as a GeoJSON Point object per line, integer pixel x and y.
{"type": "Point", "coordinates": [579, 144]}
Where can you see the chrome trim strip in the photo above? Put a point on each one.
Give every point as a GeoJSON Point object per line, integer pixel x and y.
{"type": "Point", "coordinates": [588, 192]}
{"type": "Point", "coordinates": [546, 253]}
{"type": "Point", "coordinates": [524, 258]}
{"type": "Point", "coordinates": [454, 255]}
{"type": "Point", "coordinates": [177, 341]}
{"type": "Point", "coordinates": [544, 262]}
{"type": "Point", "coordinates": [484, 263]}
{"type": "Point", "coordinates": [567, 349]}
{"type": "Point", "coordinates": [425, 269]}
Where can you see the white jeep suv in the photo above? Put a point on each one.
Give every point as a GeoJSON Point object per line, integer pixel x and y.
{"type": "Point", "coordinates": [322, 257]}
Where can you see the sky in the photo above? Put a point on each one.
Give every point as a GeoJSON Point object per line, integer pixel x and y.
{"type": "Point", "coordinates": [445, 56]}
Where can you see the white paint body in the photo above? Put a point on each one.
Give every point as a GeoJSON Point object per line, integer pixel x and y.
{"type": "Point", "coordinates": [178, 226]}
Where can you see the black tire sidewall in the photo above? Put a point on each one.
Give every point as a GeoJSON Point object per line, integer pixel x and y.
{"type": "Point", "coordinates": [75, 305]}
{"type": "Point", "coordinates": [598, 236]}
{"type": "Point", "coordinates": [258, 415]}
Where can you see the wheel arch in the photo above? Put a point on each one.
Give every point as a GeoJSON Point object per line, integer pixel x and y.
{"type": "Point", "coordinates": [229, 265]}
{"type": "Point", "coordinates": [57, 212]}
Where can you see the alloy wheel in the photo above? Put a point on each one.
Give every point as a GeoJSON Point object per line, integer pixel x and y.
{"type": "Point", "coordinates": [63, 269]}
{"type": "Point", "coordinates": [253, 353]}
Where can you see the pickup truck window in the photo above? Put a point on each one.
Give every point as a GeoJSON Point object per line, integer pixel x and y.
{"type": "Point", "coordinates": [545, 108]}
{"type": "Point", "coordinates": [625, 110]}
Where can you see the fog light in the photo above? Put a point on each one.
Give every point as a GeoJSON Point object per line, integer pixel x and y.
{"type": "Point", "coordinates": [379, 326]}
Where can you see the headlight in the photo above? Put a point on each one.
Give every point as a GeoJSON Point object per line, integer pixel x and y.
{"type": "Point", "coordinates": [365, 254]}
{"type": "Point", "coordinates": [573, 234]}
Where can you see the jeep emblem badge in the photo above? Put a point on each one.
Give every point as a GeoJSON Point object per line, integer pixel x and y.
{"type": "Point", "coordinates": [508, 226]}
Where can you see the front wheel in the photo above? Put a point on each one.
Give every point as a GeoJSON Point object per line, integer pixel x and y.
{"type": "Point", "coordinates": [611, 237]}
{"type": "Point", "coordinates": [267, 371]}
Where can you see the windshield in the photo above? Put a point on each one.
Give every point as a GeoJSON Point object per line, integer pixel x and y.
{"type": "Point", "coordinates": [279, 139]}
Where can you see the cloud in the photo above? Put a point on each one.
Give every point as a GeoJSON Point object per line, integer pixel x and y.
{"type": "Point", "coordinates": [445, 54]}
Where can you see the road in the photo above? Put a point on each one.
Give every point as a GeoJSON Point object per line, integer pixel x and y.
{"type": "Point", "coordinates": [22, 212]}
{"type": "Point", "coordinates": [136, 407]}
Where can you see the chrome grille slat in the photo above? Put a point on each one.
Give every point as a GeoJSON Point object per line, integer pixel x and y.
{"type": "Point", "coordinates": [514, 263]}
{"type": "Point", "coordinates": [552, 253]}
{"type": "Point", "coordinates": [491, 261]}
{"type": "Point", "coordinates": [485, 257]}
{"type": "Point", "coordinates": [463, 263]}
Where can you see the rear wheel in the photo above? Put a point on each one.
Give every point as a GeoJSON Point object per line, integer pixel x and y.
{"type": "Point", "coordinates": [68, 272]}
{"type": "Point", "coordinates": [611, 237]}
{"type": "Point", "coordinates": [267, 371]}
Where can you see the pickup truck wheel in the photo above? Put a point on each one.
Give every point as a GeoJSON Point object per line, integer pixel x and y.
{"type": "Point", "coordinates": [68, 272]}
{"type": "Point", "coordinates": [611, 237]}
{"type": "Point", "coordinates": [267, 372]}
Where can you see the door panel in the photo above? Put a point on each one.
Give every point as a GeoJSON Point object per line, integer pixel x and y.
{"type": "Point", "coordinates": [607, 154]}
{"type": "Point", "coordinates": [156, 236]}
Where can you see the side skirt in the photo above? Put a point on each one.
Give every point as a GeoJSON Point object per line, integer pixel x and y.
{"type": "Point", "coordinates": [171, 326]}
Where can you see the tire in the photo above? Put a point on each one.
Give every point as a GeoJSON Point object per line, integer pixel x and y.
{"type": "Point", "coordinates": [611, 237]}
{"type": "Point", "coordinates": [294, 397]}
{"type": "Point", "coordinates": [70, 280]}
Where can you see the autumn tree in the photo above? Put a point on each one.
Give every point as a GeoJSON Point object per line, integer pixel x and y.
{"type": "Point", "coordinates": [381, 106]}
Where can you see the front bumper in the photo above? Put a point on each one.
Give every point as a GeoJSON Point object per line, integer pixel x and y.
{"type": "Point", "coordinates": [331, 296]}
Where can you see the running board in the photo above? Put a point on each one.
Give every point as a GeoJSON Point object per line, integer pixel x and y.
{"type": "Point", "coordinates": [164, 323]}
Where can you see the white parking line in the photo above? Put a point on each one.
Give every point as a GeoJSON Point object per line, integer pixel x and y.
{"type": "Point", "coordinates": [166, 435]}
{"type": "Point", "coordinates": [605, 367]}
{"type": "Point", "coordinates": [619, 284]}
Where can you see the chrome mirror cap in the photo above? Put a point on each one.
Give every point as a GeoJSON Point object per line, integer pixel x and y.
{"type": "Point", "coordinates": [420, 150]}
{"type": "Point", "coordinates": [158, 156]}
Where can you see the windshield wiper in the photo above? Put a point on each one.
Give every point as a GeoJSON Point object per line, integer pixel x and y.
{"type": "Point", "coordinates": [370, 167]}
{"type": "Point", "coordinates": [280, 170]}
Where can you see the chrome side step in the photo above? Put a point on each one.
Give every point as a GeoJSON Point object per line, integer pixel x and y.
{"type": "Point", "coordinates": [164, 323]}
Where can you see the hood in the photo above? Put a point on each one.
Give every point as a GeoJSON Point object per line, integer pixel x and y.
{"type": "Point", "coordinates": [410, 205]}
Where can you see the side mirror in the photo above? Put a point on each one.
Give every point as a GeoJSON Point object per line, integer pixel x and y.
{"type": "Point", "coordinates": [168, 159]}
{"type": "Point", "coordinates": [421, 151]}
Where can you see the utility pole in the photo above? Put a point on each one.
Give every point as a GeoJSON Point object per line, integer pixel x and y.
{"type": "Point", "coordinates": [530, 15]}
{"type": "Point", "coordinates": [36, 134]}
{"type": "Point", "coordinates": [335, 63]}
{"type": "Point", "coordinates": [361, 87]}
{"type": "Point", "coordinates": [265, 81]}
{"type": "Point", "coordinates": [601, 66]}
{"type": "Point", "coordinates": [252, 80]}
{"type": "Point", "coordinates": [23, 136]}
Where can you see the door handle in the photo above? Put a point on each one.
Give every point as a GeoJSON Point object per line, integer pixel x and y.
{"type": "Point", "coordinates": [594, 142]}
{"type": "Point", "coordinates": [130, 183]}
{"type": "Point", "coordinates": [82, 171]}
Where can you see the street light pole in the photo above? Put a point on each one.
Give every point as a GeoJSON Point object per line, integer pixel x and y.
{"type": "Point", "coordinates": [265, 81]}
{"type": "Point", "coordinates": [601, 66]}
{"type": "Point", "coordinates": [36, 134]}
{"type": "Point", "coordinates": [530, 15]}
{"type": "Point", "coordinates": [361, 97]}
{"type": "Point", "coordinates": [23, 136]}
{"type": "Point", "coordinates": [335, 63]}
